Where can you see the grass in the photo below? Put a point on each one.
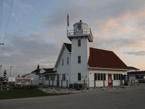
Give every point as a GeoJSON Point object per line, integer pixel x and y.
{"type": "Point", "coordinates": [24, 92]}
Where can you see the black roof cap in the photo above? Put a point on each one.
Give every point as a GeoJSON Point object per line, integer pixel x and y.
{"type": "Point", "coordinates": [68, 46]}
{"type": "Point", "coordinates": [133, 68]}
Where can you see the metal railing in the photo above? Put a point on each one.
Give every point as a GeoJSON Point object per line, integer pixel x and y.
{"type": "Point", "coordinates": [81, 31]}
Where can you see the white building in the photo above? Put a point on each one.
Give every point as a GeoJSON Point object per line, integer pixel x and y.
{"type": "Point", "coordinates": [11, 79]}
{"type": "Point", "coordinates": [78, 62]}
{"type": "Point", "coordinates": [137, 76]}
{"type": "Point", "coordinates": [34, 78]}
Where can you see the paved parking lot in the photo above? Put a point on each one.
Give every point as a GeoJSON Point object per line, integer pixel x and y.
{"type": "Point", "coordinates": [128, 98]}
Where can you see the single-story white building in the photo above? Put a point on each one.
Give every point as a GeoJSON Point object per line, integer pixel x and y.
{"type": "Point", "coordinates": [11, 79]}
{"type": "Point", "coordinates": [138, 76]}
{"type": "Point", "coordinates": [78, 63]}
{"type": "Point", "coordinates": [34, 78]}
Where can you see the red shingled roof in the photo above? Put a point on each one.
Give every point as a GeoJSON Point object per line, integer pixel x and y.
{"type": "Point", "coordinates": [105, 59]}
{"type": "Point", "coordinates": [102, 58]}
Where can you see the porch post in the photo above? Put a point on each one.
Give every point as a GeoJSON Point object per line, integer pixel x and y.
{"type": "Point", "coordinates": [94, 83]}
{"type": "Point", "coordinates": [49, 82]}
{"type": "Point", "coordinates": [112, 83]}
{"type": "Point", "coordinates": [52, 82]}
{"type": "Point", "coordinates": [67, 83]}
{"type": "Point", "coordinates": [103, 83]}
{"type": "Point", "coordinates": [84, 83]}
{"type": "Point", "coordinates": [61, 83]}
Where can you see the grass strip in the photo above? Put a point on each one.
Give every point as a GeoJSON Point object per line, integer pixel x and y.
{"type": "Point", "coordinates": [12, 94]}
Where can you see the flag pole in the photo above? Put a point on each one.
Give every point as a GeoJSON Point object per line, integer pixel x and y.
{"type": "Point", "coordinates": [67, 23]}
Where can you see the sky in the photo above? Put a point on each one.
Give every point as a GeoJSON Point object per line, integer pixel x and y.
{"type": "Point", "coordinates": [36, 30]}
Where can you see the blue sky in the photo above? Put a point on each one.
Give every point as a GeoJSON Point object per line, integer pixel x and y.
{"type": "Point", "coordinates": [37, 30]}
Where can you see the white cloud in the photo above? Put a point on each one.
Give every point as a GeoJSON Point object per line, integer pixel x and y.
{"type": "Point", "coordinates": [26, 8]}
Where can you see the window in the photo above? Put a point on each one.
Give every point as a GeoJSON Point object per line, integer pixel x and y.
{"type": "Point", "coordinates": [79, 42]}
{"type": "Point", "coordinates": [96, 76]}
{"type": "Point", "coordinates": [79, 26]}
{"type": "Point", "coordinates": [114, 76]}
{"type": "Point", "coordinates": [79, 59]}
{"type": "Point", "coordinates": [79, 76]}
{"type": "Point", "coordinates": [119, 76]}
{"type": "Point", "coordinates": [99, 76]}
{"type": "Point", "coordinates": [104, 76]}
{"type": "Point", "coordinates": [62, 62]}
{"type": "Point", "coordinates": [52, 77]}
{"type": "Point", "coordinates": [136, 77]}
{"type": "Point", "coordinates": [139, 76]}
{"type": "Point", "coordinates": [122, 77]}
{"type": "Point", "coordinates": [46, 77]}
{"type": "Point", "coordinates": [67, 60]}
{"type": "Point", "coordinates": [63, 76]}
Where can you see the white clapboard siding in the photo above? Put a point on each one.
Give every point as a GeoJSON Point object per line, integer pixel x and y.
{"type": "Point", "coordinates": [75, 66]}
{"type": "Point", "coordinates": [116, 83]}
{"type": "Point", "coordinates": [64, 69]}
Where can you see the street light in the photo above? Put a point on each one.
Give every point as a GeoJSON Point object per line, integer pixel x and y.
{"type": "Point", "coordinates": [10, 73]}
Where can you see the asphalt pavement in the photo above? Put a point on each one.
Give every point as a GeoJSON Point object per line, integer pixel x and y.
{"type": "Point", "coordinates": [127, 98]}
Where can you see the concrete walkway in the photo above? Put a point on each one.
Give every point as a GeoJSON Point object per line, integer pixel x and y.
{"type": "Point", "coordinates": [125, 98]}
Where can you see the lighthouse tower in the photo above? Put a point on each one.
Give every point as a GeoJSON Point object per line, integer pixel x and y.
{"type": "Point", "coordinates": [80, 38]}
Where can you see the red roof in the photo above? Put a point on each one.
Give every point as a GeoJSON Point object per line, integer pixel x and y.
{"type": "Point", "coordinates": [105, 59]}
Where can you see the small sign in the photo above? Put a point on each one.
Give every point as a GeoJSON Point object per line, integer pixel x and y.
{"type": "Point", "coordinates": [23, 80]}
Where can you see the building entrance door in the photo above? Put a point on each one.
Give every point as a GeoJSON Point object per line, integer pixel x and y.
{"type": "Point", "coordinates": [109, 79]}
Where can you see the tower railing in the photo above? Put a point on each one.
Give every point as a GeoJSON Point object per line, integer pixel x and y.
{"type": "Point", "coordinates": [79, 31]}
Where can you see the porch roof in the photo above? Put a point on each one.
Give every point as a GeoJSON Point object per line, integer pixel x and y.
{"type": "Point", "coordinates": [100, 68]}
{"type": "Point", "coordinates": [44, 74]}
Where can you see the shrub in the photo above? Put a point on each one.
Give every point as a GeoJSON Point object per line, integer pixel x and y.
{"type": "Point", "coordinates": [70, 86]}
{"type": "Point", "coordinates": [24, 87]}
{"type": "Point", "coordinates": [1, 79]}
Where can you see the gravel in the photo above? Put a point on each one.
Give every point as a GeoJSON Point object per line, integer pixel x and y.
{"type": "Point", "coordinates": [74, 91]}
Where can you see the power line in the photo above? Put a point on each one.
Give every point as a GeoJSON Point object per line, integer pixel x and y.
{"type": "Point", "coordinates": [7, 25]}
{"type": "Point", "coordinates": [8, 20]}
{"type": "Point", "coordinates": [1, 13]}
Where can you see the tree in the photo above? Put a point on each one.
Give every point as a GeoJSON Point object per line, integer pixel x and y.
{"type": "Point", "coordinates": [1, 78]}
{"type": "Point", "coordinates": [38, 67]}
